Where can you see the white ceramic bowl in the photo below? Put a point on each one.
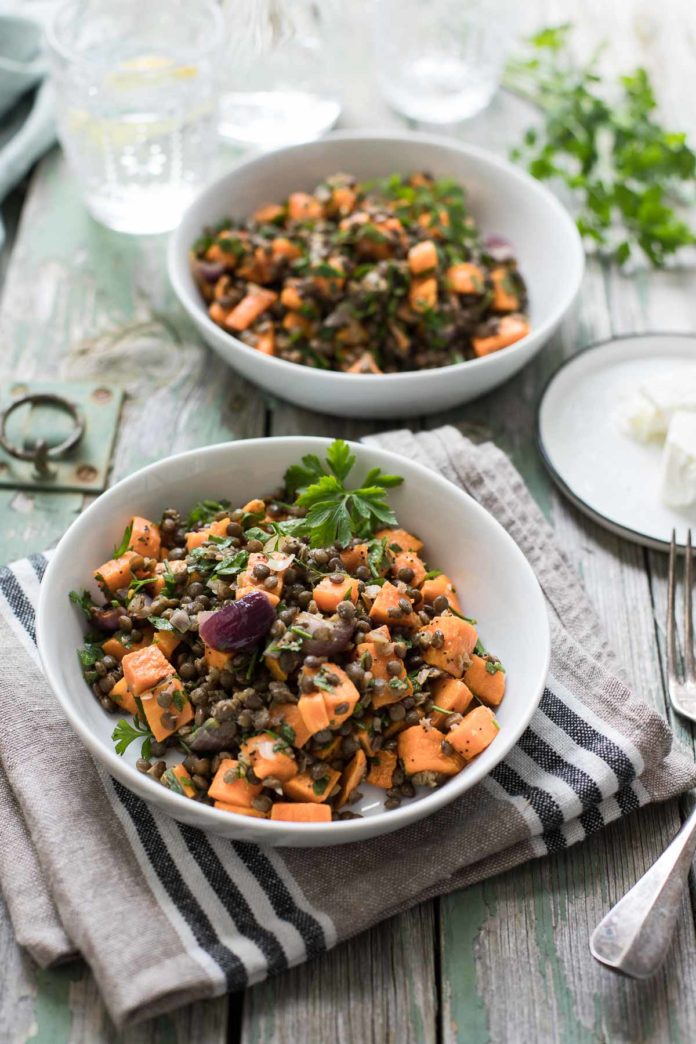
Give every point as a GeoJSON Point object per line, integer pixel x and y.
{"type": "Point", "coordinates": [495, 582]}
{"type": "Point", "coordinates": [503, 200]}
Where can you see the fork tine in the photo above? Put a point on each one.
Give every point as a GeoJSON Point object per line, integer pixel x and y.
{"type": "Point", "coordinates": [671, 623]}
{"type": "Point", "coordinates": [689, 667]}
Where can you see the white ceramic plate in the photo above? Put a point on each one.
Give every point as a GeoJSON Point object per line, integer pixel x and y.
{"type": "Point", "coordinates": [494, 579]}
{"type": "Point", "coordinates": [503, 200]}
{"type": "Point", "coordinates": [602, 470]}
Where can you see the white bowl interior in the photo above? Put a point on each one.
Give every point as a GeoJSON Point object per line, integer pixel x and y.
{"type": "Point", "coordinates": [495, 583]}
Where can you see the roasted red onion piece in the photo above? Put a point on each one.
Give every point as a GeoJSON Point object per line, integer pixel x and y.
{"type": "Point", "coordinates": [212, 736]}
{"type": "Point", "coordinates": [328, 636]}
{"type": "Point", "coordinates": [208, 271]}
{"type": "Point", "coordinates": [499, 248]}
{"type": "Point", "coordinates": [107, 619]}
{"type": "Point", "coordinates": [239, 624]}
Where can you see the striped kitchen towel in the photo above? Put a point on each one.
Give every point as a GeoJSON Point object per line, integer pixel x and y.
{"type": "Point", "coordinates": [165, 914]}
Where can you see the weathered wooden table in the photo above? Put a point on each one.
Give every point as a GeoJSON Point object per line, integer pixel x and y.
{"type": "Point", "coordinates": [506, 960]}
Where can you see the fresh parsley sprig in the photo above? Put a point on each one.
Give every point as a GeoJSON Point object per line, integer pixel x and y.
{"type": "Point", "coordinates": [124, 734]}
{"type": "Point", "coordinates": [604, 143]}
{"type": "Point", "coordinates": [335, 514]}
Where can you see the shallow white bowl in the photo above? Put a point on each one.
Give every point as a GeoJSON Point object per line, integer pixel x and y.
{"type": "Point", "coordinates": [503, 200]}
{"type": "Point", "coordinates": [495, 582]}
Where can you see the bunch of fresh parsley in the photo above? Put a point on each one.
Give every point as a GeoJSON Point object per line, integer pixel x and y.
{"type": "Point", "coordinates": [605, 144]}
{"type": "Point", "coordinates": [335, 514]}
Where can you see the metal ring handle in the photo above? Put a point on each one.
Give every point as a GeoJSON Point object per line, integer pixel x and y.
{"type": "Point", "coordinates": [42, 453]}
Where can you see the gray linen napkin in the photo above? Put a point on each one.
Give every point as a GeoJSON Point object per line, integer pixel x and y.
{"type": "Point", "coordinates": [165, 914]}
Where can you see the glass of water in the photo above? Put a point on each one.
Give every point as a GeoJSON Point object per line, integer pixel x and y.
{"type": "Point", "coordinates": [136, 90]}
{"type": "Point", "coordinates": [441, 61]}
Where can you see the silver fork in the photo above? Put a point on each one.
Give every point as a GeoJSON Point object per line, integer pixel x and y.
{"type": "Point", "coordinates": [682, 694]}
{"type": "Point", "coordinates": [636, 934]}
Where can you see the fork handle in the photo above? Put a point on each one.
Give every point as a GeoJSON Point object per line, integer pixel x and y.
{"type": "Point", "coordinates": [635, 935]}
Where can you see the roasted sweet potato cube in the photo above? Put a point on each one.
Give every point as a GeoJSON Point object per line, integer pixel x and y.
{"type": "Point", "coordinates": [459, 641]}
{"type": "Point", "coordinates": [386, 609]}
{"type": "Point", "coordinates": [270, 756]}
{"type": "Point", "coordinates": [179, 712]}
{"type": "Point", "coordinates": [116, 573]}
{"type": "Point", "coordinates": [301, 812]}
{"type": "Point", "coordinates": [486, 679]}
{"type": "Point", "coordinates": [231, 788]}
{"type": "Point", "coordinates": [420, 750]}
{"type": "Point", "coordinates": [452, 695]}
{"type": "Point", "coordinates": [144, 668]}
{"type": "Point", "coordinates": [472, 735]}
{"type": "Point", "coordinates": [145, 537]}
{"type": "Point", "coordinates": [303, 788]}
{"type": "Point", "coordinates": [382, 767]}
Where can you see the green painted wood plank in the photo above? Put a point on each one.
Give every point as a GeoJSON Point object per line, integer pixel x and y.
{"type": "Point", "coordinates": [80, 302]}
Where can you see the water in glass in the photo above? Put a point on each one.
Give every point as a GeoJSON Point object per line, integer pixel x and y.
{"type": "Point", "coordinates": [136, 106]}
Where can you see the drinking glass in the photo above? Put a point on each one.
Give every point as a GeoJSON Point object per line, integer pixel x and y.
{"type": "Point", "coordinates": [278, 86]}
{"type": "Point", "coordinates": [440, 61]}
{"type": "Point", "coordinates": [136, 92]}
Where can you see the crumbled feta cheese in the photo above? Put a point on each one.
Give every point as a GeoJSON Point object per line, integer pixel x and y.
{"type": "Point", "coordinates": [678, 484]}
{"type": "Point", "coordinates": [648, 414]}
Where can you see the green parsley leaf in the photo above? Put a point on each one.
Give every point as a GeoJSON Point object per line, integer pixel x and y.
{"type": "Point", "coordinates": [377, 557]}
{"type": "Point", "coordinates": [89, 654]}
{"type": "Point", "coordinates": [125, 733]}
{"type": "Point", "coordinates": [84, 601]}
{"type": "Point", "coordinates": [135, 585]}
{"type": "Point", "coordinates": [233, 564]}
{"type": "Point", "coordinates": [494, 666]}
{"type": "Point", "coordinates": [603, 142]}
{"type": "Point", "coordinates": [299, 476]}
{"type": "Point", "coordinates": [160, 623]}
{"type": "Point", "coordinates": [320, 682]}
{"type": "Point", "coordinates": [320, 785]}
{"type": "Point", "coordinates": [251, 667]}
{"type": "Point", "coordinates": [169, 579]}
{"type": "Point", "coordinates": [335, 513]}
{"type": "Point", "coordinates": [175, 783]}
{"type": "Point", "coordinates": [125, 541]}
{"type": "Point", "coordinates": [205, 511]}
{"type": "Point", "coordinates": [287, 732]}
{"type": "Point", "coordinates": [256, 533]}
{"type": "Point", "coordinates": [432, 573]}
{"type": "Point", "coordinates": [340, 459]}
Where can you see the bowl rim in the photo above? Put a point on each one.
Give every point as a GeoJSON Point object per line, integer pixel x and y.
{"type": "Point", "coordinates": [210, 817]}
{"type": "Point", "coordinates": [177, 253]}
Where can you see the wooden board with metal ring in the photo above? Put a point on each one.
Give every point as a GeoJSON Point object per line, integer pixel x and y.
{"type": "Point", "coordinates": [58, 435]}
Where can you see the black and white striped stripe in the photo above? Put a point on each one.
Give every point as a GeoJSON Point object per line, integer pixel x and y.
{"type": "Point", "coordinates": [231, 902]}
{"type": "Point", "coordinates": [236, 907]}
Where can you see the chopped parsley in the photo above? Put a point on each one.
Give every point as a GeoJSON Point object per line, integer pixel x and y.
{"type": "Point", "coordinates": [125, 541]}
{"type": "Point", "coordinates": [83, 601]}
{"type": "Point", "coordinates": [205, 511]}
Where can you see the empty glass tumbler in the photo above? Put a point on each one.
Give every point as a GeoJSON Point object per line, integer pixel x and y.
{"type": "Point", "coordinates": [278, 87]}
{"type": "Point", "coordinates": [440, 61]}
{"type": "Point", "coordinates": [136, 85]}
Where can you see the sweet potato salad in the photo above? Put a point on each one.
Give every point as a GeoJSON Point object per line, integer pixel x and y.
{"type": "Point", "coordinates": [364, 278]}
{"type": "Point", "coordinates": [273, 658]}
